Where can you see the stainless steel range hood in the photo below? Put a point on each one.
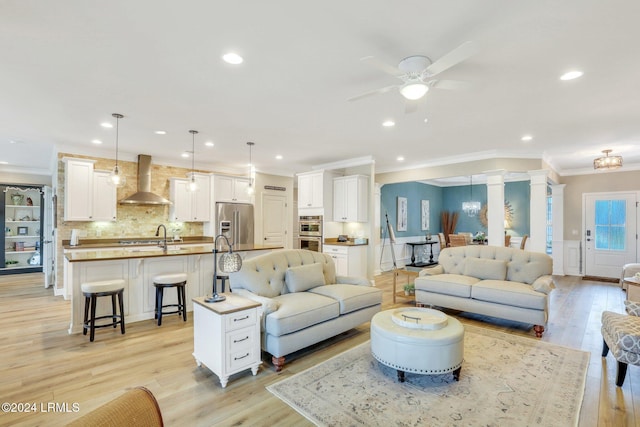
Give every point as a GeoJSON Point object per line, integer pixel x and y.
{"type": "Point", "coordinates": [144, 196]}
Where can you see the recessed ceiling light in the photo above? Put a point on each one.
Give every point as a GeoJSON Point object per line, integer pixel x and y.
{"type": "Point", "coordinates": [426, 120]}
{"type": "Point", "coordinates": [388, 123]}
{"type": "Point", "coordinates": [185, 154]}
{"type": "Point", "coordinates": [526, 138]}
{"type": "Point", "coordinates": [3, 162]}
{"type": "Point", "coordinates": [232, 58]}
{"type": "Point", "coordinates": [96, 141]}
{"type": "Point", "coordinates": [106, 125]}
{"type": "Point", "coordinates": [13, 141]}
{"type": "Point", "coordinates": [400, 158]}
{"type": "Point", "coordinates": [209, 144]}
{"type": "Point", "coordinates": [161, 132]}
{"type": "Point", "coordinates": [571, 75]}
{"type": "Point", "coordinates": [279, 156]}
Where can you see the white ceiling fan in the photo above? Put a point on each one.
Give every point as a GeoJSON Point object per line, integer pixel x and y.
{"type": "Point", "coordinates": [417, 72]}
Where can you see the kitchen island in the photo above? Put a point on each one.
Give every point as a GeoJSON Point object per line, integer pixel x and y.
{"type": "Point", "coordinates": [137, 265]}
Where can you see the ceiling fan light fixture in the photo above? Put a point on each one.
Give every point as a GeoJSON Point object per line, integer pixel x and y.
{"type": "Point", "coordinates": [413, 91]}
{"type": "Point", "coordinates": [607, 162]}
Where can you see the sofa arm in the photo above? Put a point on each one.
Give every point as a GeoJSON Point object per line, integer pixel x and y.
{"type": "Point", "coordinates": [438, 269]}
{"type": "Point", "coordinates": [268, 304]}
{"type": "Point", "coordinates": [353, 280]}
{"type": "Point", "coordinates": [543, 284]}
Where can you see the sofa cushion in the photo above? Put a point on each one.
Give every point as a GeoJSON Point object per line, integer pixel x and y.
{"type": "Point", "coordinates": [447, 284]}
{"type": "Point", "coordinates": [300, 310]}
{"type": "Point", "coordinates": [491, 269]}
{"type": "Point", "coordinates": [509, 293]}
{"type": "Point", "coordinates": [351, 297]}
{"type": "Point", "coordinates": [304, 277]}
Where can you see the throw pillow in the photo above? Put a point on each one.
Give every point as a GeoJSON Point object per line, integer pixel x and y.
{"type": "Point", "coordinates": [632, 307]}
{"type": "Point", "coordinates": [304, 277]}
{"type": "Point", "coordinates": [485, 269]}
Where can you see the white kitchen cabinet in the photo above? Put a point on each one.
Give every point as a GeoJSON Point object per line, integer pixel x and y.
{"type": "Point", "coordinates": [231, 189]}
{"type": "Point", "coordinates": [88, 196]}
{"type": "Point", "coordinates": [190, 206]}
{"type": "Point", "coordinates": [349, 260]}
{"type": "Point", "coordinates": [315, 194]}
{"type": "Point", "coordinates": [104, 197]}
{"type": "Point", "coordinates": [226, 336]}
{"type": "Point", "coordinates": [350, 201]}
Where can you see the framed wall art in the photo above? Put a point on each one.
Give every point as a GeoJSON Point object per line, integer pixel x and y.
{"type": "Point", "coordinates": [424, 212]}
{"type": "Point", "coordinates": [401, 214]}
{"type": "Point", "coordinates": [23, 231]}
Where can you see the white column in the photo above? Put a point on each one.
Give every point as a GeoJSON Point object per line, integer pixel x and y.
{"type": "Point", "coordinates": [495, 207]}
{"type": "Point", "coordinates": [557, 223]}
{"type": "Point", "coordinates": [538, 211]}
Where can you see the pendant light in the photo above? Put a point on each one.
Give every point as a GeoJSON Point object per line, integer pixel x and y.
{"type": "Point", "coordinates": [250, 188]}
{"type": "Point", "coordinates": [471, 208]}
{"type": "Point", "coordinates": [192, 184]}
{"type": "Point", "coordinates": [116, 178]}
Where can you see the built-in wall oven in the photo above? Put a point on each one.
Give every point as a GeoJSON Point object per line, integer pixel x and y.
{"type": "Point", "coordinates": [310, 233]}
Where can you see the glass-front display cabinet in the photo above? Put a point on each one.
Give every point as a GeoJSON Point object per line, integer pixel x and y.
{"type": "Point", "coordinates": [21, 213]}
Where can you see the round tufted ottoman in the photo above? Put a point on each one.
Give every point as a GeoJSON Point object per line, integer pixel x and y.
{"type": "Point", "coordinates": [418, 340]}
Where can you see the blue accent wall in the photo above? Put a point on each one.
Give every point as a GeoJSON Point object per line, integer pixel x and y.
{"type": "Point", "coordinates": [415, 192]}
{"type": "Point", "coordinates": [450, 199]}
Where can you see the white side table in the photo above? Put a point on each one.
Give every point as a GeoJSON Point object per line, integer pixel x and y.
{"type": "Point", "coordinates": [226, 335]}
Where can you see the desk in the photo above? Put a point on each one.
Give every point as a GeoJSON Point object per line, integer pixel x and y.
{"type": "Point", "coordinates": [633, 288]}
{"type": "Point", "coordinates": [413, 253]}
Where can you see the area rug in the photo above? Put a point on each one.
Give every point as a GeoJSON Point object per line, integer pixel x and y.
{"type": "Point", "coordinates": [506, 380]}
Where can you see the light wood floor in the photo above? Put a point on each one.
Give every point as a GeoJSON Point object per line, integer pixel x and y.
{"type": "Point", "coordinates": [41, 363]}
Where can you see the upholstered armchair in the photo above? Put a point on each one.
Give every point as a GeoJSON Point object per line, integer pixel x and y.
{"type": "Point", "coordinates": [621, 335]}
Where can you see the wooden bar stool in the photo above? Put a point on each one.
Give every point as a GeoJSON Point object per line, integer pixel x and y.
{"type": "Point", "coordinates": [178, 281]}
{"type": "Point", "coordinates": [91, 292]}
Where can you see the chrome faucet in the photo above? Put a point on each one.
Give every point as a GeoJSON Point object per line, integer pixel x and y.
{"type": "Point", "coordinates": [164, 243]}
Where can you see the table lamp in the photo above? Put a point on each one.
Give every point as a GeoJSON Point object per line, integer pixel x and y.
{"type": "Point", "coordinates": [229, 263]}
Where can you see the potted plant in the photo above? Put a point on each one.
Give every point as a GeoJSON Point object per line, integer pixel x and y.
{"type": "Point", "coordinates": [409, 289]}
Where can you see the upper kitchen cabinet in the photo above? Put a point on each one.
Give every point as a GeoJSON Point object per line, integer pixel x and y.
{"type": "Point", "coordinates": [350, 201]}
{"type": "Point", "coordinates": [188, 205]}
{"type": "Point", "coordinates": [231, 189]}
{"type": "Point", "coordinates": [88, 196]}
{"type": "Point", "coordinates": [315, 193]}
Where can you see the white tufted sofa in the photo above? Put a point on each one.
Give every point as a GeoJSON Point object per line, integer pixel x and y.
{"type": "Point", "coordinates": [303, 301]}
{"type": "Point", "coordinates": [495, 281]}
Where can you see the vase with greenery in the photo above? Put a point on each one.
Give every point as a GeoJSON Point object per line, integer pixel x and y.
{"type": "Point", "coordinates": [409, 289]}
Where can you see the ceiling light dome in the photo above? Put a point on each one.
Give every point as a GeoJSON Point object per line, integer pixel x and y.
{"type": "Point", "coordinates": [414, 90]}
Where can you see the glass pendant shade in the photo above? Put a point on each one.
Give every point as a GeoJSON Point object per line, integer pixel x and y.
{"type": "Point", "coordinates": [193, 186]}
{"type": "Point", "coordinates": [250, 188]}
{"type": "Point", "coordinates": [117, 178]}
{"type": "Point", "coordinates": [414, 91]}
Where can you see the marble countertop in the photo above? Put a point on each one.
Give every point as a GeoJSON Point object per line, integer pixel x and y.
{"type": "Point", "coordinates": [132, 252]}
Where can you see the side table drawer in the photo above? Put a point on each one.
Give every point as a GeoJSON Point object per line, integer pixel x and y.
{"type": "Point", "coordinates": [240, 339]}
{"type": "Point", "coordinates": [238, 360]}
{"type": "Point", "coordinates": [239, 320]}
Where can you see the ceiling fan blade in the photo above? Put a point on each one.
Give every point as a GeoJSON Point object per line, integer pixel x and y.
{"type": "Point", "coordinates": [449, 84]}
{"type": "Point", "coordinates": [452, 58]}
{"type": "Point", "coordinates": [373, 92]}
{"type": "Point", "coordinates": [382, 66]}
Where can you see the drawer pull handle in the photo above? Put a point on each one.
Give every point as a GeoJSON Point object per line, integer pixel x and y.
{"type": "Point", "coordinates": [241, 319]}
{"type": "Point", "coordinates": [243, 339]}
{"type": "Point", "coordinates": [241, 357]}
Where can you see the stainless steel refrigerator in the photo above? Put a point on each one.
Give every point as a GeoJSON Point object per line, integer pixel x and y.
{"type": "Point", "coordinates": [235, 221]}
